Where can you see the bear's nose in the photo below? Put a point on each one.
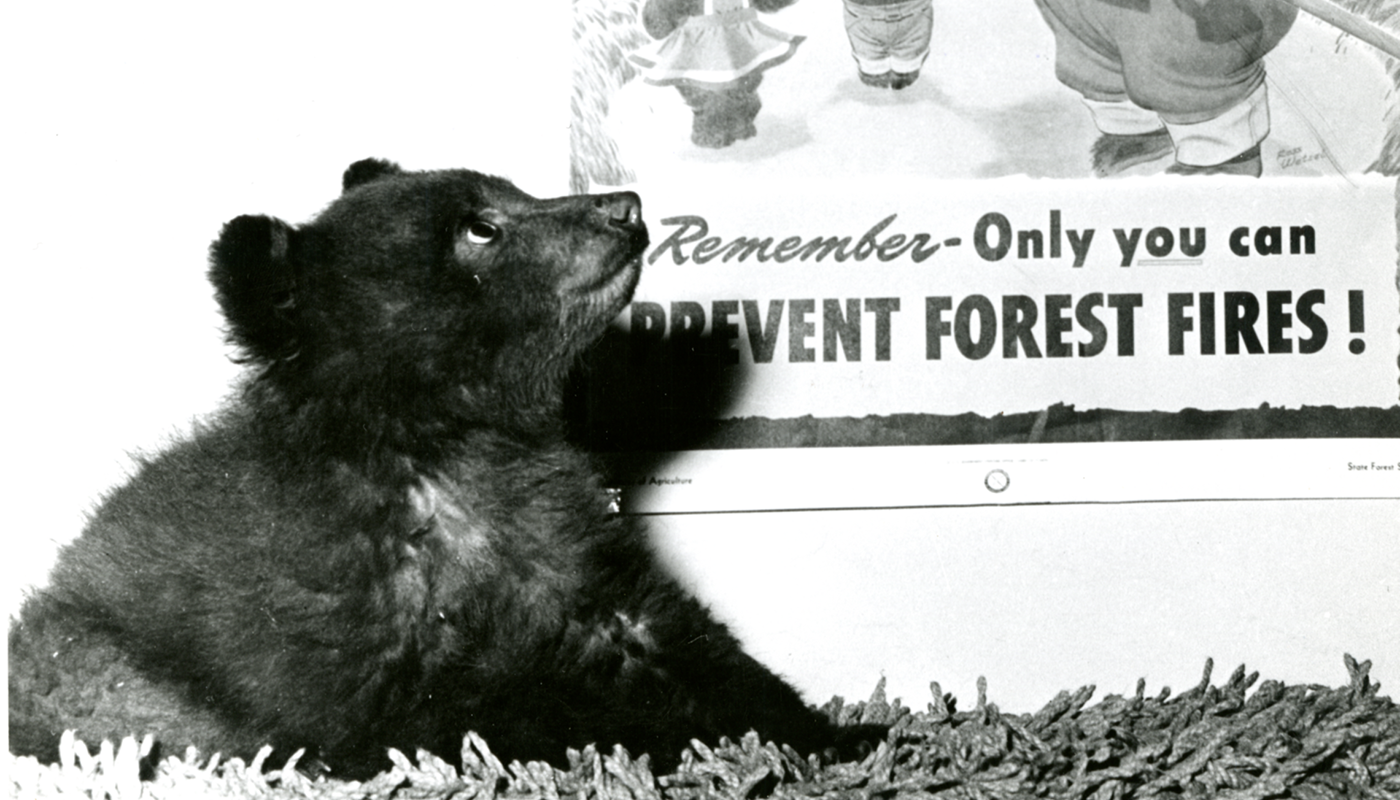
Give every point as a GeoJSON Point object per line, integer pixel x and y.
{"type": "Point", "coordinates": [624, 209]}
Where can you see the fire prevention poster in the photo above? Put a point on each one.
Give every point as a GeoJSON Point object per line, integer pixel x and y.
{"type": "Point", "coordinates": [913, 254]}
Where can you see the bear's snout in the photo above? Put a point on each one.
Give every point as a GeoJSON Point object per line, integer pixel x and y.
{"type": "Point", "coordinates": [620, 213]}
{"type": "Point", "coordinates": [623, 209]}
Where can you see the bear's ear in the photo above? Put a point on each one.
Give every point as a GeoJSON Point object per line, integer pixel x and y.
{"type": "Point", "coordinates": [252, 267]}
{"type": "Point", "coordinates": [366, 170]}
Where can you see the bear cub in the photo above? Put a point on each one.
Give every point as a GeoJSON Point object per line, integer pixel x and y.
{"type": "Point", "coordinates": [385, 540]}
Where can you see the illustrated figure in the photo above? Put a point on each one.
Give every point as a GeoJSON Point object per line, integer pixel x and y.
{"type": "Point", "coordinates": [889, 39]}
{"type": "Point", "coordinates": [715, 53]}
{"type": "Point", "coordinates": [1163, 76]}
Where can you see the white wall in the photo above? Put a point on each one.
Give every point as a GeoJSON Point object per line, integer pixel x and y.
{"type": "Point", "coordinates": [134, 131]}
{"type": "Point", "coordinates": [1043, 598]}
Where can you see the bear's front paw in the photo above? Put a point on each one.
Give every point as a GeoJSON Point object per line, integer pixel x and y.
{"type": "Point", "coordinates": [854, 743]}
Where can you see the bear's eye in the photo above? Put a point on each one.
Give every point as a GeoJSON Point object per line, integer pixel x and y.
{"type": "Point", "coordinates": [481, 232]}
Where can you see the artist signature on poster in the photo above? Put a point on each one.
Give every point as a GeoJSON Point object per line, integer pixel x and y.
{"type": "Point", "coordinates": [1295, 157]}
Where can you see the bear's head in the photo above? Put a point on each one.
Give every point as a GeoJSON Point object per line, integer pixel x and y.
{"type": "Point", "coordinates": [422, 301]}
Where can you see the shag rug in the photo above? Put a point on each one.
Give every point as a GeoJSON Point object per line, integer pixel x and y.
{"type": "Point", "coordinates": [1222, 741]}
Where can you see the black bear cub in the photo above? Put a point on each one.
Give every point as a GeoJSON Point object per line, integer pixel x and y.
{"type": "Point", "coordinates": [384, 539]}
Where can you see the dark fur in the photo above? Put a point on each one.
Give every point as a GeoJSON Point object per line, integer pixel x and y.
{"type": "Point", "coordinates": [384, 540]}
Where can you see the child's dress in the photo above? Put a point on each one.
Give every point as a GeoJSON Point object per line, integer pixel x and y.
{"type": "Point", "coordinates": [715, 58]}
{"type": "Point", "coordinates": [721, 45]}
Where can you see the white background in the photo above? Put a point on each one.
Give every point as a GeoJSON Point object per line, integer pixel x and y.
{"type": "Point", "coordinates": [134, 131]}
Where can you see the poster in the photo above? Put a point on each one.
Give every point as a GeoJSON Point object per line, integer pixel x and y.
{"type": "Point", "coordinates": [941, 289]}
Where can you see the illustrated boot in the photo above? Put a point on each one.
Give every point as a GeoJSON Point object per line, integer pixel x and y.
{"type": "Point", "coordinates": [1114, 153]}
